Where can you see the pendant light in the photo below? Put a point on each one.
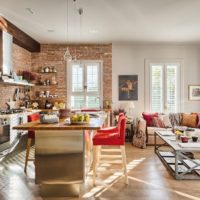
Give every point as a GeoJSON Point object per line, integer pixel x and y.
{"type": "Point", "coordinates": [67, 54]}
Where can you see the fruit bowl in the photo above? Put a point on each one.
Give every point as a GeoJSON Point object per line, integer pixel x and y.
{"type": "Point", "coordinates": [80, 119]}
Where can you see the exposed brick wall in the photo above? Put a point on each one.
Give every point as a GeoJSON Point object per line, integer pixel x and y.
{"type": "Point", "coordinates": [21, 61]}
{"type": "Point", "coordinates": [52, 55]}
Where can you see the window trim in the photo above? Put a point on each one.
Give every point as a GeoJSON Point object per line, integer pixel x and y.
{"type": "Point", "coordinates": [147, 81]}
{"type": "Point", "coordinates": [69, 79]}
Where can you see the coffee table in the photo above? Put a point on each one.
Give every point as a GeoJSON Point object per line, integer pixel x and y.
{"type": "Point", "coordinates": [173, 155]}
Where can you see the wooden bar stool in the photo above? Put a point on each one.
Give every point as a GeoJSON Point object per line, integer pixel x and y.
{"type": "Point", "coordinates": [31, 136]}
{"type": "Point", "coordinates": [110, 137]}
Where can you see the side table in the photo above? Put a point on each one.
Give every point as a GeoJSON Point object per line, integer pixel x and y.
{"type": "Point", "coordinates": [129, 131]}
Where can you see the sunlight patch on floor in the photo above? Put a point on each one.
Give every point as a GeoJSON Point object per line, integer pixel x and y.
{"type": "Point", "coordinates": [159, 187]}
{"type": "Point", "coordinates": [108, 182]}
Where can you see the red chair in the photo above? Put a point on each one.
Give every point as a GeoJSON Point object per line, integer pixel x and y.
{"type": "Point", "coordinates": [31, 136]}
{"type": "Point", "coordinates": [111, 128]}
{"type": "Point", "coordinates": [112, 137]}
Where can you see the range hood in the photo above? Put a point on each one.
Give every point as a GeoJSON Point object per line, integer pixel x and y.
{"type": "Point", "coordinates": [6, 44]}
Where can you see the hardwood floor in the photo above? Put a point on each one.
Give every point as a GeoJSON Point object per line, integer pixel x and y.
{"type": "Point", "coordinates": [148, 180]}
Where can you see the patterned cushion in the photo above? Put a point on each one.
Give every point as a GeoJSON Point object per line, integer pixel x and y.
{"type": "Point", "coordinates": [175, 118]}
{"type": "Point", "coordinates": [189, 120]}
{"type": "Point", "coordinates": [139, 138]}
{"type": "Point", "coordinates": [148, 117]}
{"type": "Point", "coordinates": [198, 121]}
{"type": "Point", "coordinates": [166, 121]}
{"type": "Point", "coordinates": [157, 122]}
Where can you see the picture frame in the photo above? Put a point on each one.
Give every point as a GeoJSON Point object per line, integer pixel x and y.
{"type": "Point", "coordinates": [194, 92]}
{"type": "Point", "coordinates": [128, 87]}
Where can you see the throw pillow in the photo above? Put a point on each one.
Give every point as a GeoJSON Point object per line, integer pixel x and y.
{"type": "Point", "coordinates": [157, 122]}
{"type": "Point", "coordinates": [189, 120]}
{"type": "Point", "coordinates": [148, 117]}
{"type": "Point", "coordinates": [139, 138]}
{"type": "Point", "coordinates": [166, 121]}
{"type": "Point", "coordinates": [198, 121]}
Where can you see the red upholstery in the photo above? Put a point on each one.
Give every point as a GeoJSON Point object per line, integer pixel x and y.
{"type": "Point", "coordinates": [117, 137]}
{"type": "Point", "coordinates": [112, 128]}
{"type": "Point", "coordinates": [31, 118]}
{"type": "Point", "coordinates": [149, 117]}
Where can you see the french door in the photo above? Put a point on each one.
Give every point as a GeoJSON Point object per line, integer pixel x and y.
{"type": "Point", "coordinates": [84, 85]}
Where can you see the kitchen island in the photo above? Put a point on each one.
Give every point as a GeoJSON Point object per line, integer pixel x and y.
{"type": "Point", "coordinates": [60, 164]}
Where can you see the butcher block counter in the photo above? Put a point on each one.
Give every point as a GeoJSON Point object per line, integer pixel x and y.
{"type": "Point", "coordinates": [60, 155]}
{"type": "Point", "coordinates": [94, 124]}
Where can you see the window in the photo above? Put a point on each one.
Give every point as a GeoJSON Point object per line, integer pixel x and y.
{"type": "Point", "coordinates": [164, 87]}
{"type": "Point", "coordinates": [84, 89]}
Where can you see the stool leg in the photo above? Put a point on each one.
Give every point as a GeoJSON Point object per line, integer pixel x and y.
{"type": "Point", "coordinates": [124, 163]}
{"type": "Point", "coordinates": [28, 146]}
{"type": "Point", "coordinates": [98, 155]}
{"type": "Point", "coordinates": [95, 149]}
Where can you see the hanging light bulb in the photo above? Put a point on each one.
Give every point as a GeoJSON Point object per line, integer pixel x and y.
{"type": "Point", "coordinates": [67, 55]}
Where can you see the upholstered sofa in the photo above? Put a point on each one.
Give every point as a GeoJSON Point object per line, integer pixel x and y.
{"type": "Point", "coordinates": [171, 121]}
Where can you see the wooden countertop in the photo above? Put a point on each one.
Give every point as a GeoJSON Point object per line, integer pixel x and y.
{"type": "Point", "coordinates": [95, 124]}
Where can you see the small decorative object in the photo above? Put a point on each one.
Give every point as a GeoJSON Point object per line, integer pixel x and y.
{"type": "Point", "coordinates": [194, 92]}
{"type": "Point", "coordinates": [128, 87]}
{"type": "Point", "coordinates": [29, 76]}
{"type": "Point", "coordinates": [53, 80]}
{"type": "Point", "coordinates": [54, 69]}
{"type": "Point", "coordinates": [50, 69]}
{"type": "Point", "coordinates": [184, 139]}
{"type": "Point", "coordinates": [194, 138]}
{"type": "Point", "coordinates": [35, 105]}
{"type": "Point", "coordinates": [42, 70]}
{"type": "Point", "coordinates": [46, 69]}
{"type": "Point", "coordinates": [178, 134]}
{"type": "Point", "coordinates": [49, 118]}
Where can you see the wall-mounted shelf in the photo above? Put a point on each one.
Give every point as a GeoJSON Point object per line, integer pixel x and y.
{"type": "Point", "coordinates": [47, 72]}
{"type": "Point", "coordinates": [16, 83]}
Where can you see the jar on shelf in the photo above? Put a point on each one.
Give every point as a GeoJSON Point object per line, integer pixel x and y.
{"type": "Point", "coordinates": [46, 70]}
{"type": "Point", "coordinates": [54, 69]}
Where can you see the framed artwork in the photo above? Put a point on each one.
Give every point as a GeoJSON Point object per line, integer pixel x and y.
{"type": "Point", "coordinates": [128, 87]}
{"type": "Point", "coordinates": [194, 92]}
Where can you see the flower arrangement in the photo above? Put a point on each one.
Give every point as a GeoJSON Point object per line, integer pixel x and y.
{"type": "Point", "coordinates": [29, 76]}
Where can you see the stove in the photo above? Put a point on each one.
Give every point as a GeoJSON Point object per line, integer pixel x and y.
{"type": "Point", "coordinates": [12, 111]}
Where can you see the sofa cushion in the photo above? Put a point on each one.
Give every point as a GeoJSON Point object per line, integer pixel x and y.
{"type": "Point", "coordinates": [198, 121]}
{"type": "Point", "coordinates": [151, 130]}
{"type": "Point", "coordinates": [166, 121]}
{"type": "Point", "coordinates": [149, 117]}
{"type": "Point", "coordinates": [157, 122]}
{"type": "Point", "coordinates": [189, 120]}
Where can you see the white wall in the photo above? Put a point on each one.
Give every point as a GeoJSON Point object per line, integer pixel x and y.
{"type": "Point", "coordinates": [130, 59]}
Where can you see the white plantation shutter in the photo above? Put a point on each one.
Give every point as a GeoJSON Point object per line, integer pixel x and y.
{"type": "Point", "coordinates": [164, 87]}
{"type": "Point", "coordinates": [171, 88]}
{"type": "Point", "coordinates": [156, 88]}
{"type": "Point", "coordinates": [85, 85]}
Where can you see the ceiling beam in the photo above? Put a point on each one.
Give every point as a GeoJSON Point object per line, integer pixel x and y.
{"type": "Point", "coordinates": [19, 37]}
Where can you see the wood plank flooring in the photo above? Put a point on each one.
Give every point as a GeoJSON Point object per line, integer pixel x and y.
{"type": "Point", "coordinates": [148, 180]}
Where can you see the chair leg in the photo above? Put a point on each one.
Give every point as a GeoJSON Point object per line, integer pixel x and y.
{"type": "Point", "coordinates": [95, 158]}
{"type": "Point", "coordinates": [98, 155]}
{"type": "Point", "coordinates": [124, 163]}
{"type": "Point", "coordinates": [28, 146]}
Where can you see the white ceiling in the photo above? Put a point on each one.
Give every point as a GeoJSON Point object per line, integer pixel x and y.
{"type": "Point", "coordinates": [106, 21]}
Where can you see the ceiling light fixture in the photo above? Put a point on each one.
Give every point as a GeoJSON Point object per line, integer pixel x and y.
{"type": "Point", "coordinates": [67, 54]}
